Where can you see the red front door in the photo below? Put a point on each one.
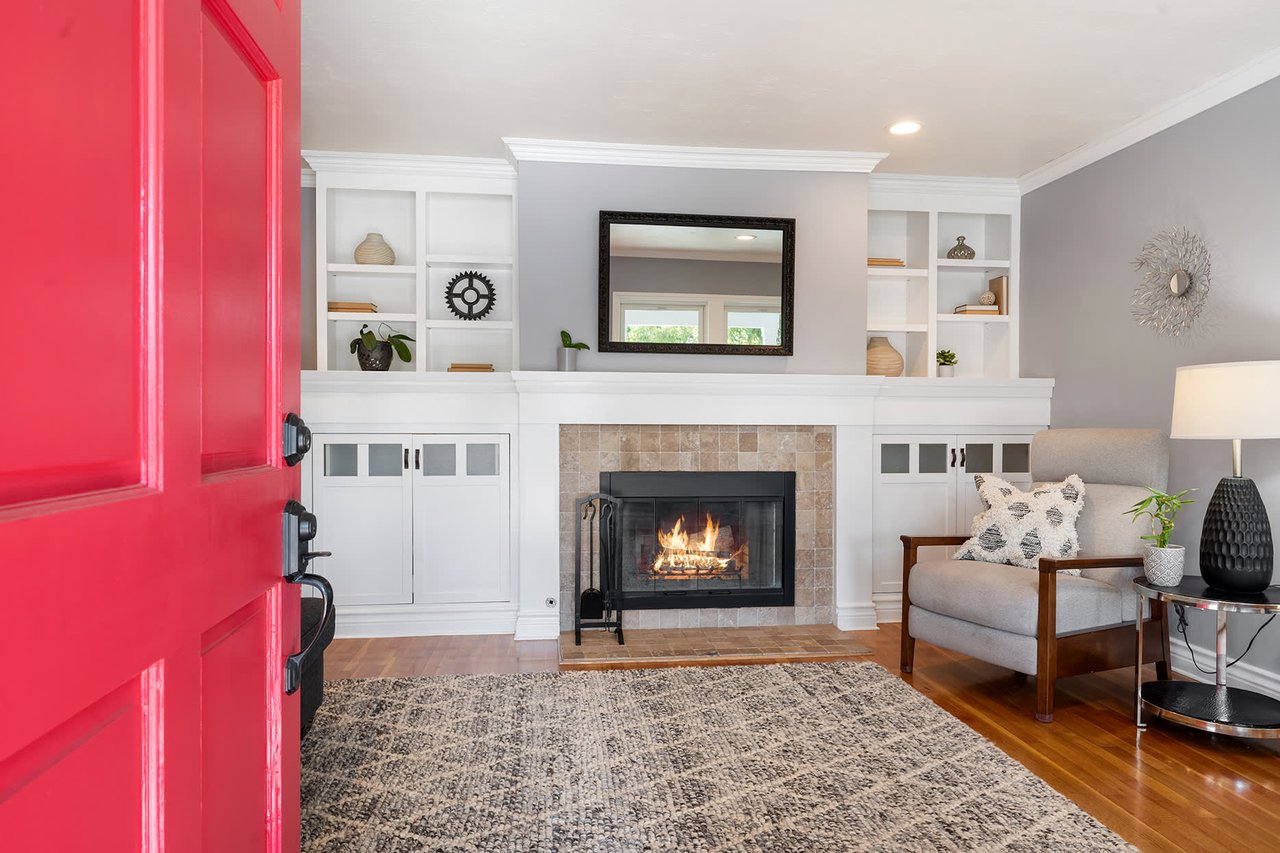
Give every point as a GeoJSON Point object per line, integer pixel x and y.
{"type": "Point", "coordinates": [150, 159]}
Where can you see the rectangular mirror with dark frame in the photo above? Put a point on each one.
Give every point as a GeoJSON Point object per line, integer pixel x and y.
{"type": "Point", "coordinates": [685, 283]}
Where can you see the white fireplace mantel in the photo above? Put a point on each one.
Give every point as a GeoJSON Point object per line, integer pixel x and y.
{"type": "Point", "coordinates": [531, 406]}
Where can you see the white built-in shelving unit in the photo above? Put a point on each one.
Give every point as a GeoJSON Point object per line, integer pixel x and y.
{"type": "Point", "coordinates": [917, 219]}
{"type": "Point", "coordinates": [442, 216]}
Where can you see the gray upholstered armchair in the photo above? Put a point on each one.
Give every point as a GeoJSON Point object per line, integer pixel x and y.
{"type": "Point", "coordinates": [1042, 621]}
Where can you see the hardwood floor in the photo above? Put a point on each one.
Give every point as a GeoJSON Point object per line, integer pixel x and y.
{"type": "Point", "coordinates": [1168, 788]}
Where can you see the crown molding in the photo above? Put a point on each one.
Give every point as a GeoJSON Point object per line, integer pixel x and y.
{"type": "Point", "coordinates": [1216, 91]}
{"type": "Point", "coordinates": [943, 185]}
{"type": "Point", "coordinates": [409, 164]}
{"type": "Point", "coordinates": [689, 157]}
{"type": "Point", "coordinates": [308, 177]}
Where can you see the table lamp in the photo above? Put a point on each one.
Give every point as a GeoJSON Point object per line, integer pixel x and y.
{"type": "Point", "coordinates": [1237, 400]}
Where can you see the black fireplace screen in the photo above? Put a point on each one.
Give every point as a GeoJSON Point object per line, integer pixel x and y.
{"type": "Point", "coordinates": [698, 539]}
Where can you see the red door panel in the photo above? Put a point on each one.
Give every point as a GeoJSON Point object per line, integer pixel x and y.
{"type": "Point", "coordinates": [150, 161]}
{"type": "Point", "coordinates": [77, 103]}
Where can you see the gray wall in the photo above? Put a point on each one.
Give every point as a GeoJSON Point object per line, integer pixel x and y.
{"type": "Point", "coordinates": [559, 205]}
{"type": "Point", "coordinates": [670, 275]}
{"type": "Point", "coordinates": [308, 268]}
{"type": "Point", "coordinates": [1218, 174]}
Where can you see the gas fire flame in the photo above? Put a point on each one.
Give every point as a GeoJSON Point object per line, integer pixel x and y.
{"type": "Point", "coordinates": [688, 556]}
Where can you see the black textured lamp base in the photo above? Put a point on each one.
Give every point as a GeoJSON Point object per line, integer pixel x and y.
{"type": "Point", "coordinates": [1236, 553]}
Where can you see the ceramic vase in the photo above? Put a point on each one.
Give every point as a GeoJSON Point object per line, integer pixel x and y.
{"type": "Point", "coordinates": [378, 358]}
{"type": "Point", "coordinates": [946, 371]}
{"type": "Point", "coordinates": [1163, 566]}
{"type": "Point", "coordinates": [566, 359]}
{"type": "Point", "coordinates": [960, 252]}
{"type": "Point", "coordinates": [374, 250]}
{"type": "Point", "coordinates": [882, 358]}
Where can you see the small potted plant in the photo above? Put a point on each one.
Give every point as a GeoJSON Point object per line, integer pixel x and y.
{"type": "Point", "coordinates": [1161, 561]}
{"type": "Point", "coordinates": [946, 363]}
{"type": "Point", "coordinates": [567, 354]}
{"type": "Point", "coordinates": [374, 350]}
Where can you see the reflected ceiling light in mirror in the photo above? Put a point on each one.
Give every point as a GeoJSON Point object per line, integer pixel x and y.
{"type": "Point", "coordinates": [904, 128]}
{"type": "Point", "coordinates": [746, 236]}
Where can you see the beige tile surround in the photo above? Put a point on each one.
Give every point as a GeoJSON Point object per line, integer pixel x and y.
{"type": "Point", "coordinates": [588, 449]}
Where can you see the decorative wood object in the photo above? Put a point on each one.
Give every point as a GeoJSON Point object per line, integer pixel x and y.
{"type": "Point", "coordinates": [374, 250]}
{"type": "Point", "coordinates": [882, 358]}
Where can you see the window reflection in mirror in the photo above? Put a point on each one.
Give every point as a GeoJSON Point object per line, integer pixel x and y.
{"type": "Point", "coordinates": [672, 283]}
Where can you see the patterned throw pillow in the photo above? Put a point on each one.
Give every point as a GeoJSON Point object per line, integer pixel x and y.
{"type": "Point", "coordinates": [1021, 526]}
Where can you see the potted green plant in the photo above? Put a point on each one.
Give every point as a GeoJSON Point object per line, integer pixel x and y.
{"type": "Point", "coordinates": [946, 362]}
{"type": "Point", "coordinates": [1161, 561]}
{"type": "Point", "coordinates": [567, 354]}
{"type": "Point", "coordinates": [374, 350]}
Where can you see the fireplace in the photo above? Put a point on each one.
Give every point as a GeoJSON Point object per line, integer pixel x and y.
{"type": "Point", "coordinates": [702, 539]}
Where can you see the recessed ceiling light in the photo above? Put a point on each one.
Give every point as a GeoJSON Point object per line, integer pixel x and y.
{"type": "Point", "coordinates": [746, 236]}
{"type": "Point", "coordinates": [904, 128]}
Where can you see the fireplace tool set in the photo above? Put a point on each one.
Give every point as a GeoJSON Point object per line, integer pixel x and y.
{"type": "Point", "coordinates": [596, 607]}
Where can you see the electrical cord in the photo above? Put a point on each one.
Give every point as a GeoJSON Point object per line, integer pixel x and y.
{"type": "Point", "coordinates": [1182, 629]}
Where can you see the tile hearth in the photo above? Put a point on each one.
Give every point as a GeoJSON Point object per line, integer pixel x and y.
{"type": "Point", "coordinates": [588, 449]}
{"type": "Point", "coordinates": [709, 646]}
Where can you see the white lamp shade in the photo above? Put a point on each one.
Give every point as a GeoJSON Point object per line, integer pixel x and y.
{"type": "Point", "coordinates": [1238, 399]}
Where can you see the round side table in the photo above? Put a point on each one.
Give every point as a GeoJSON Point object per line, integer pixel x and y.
{"type": "Point", "coordinates": [1209, 707]}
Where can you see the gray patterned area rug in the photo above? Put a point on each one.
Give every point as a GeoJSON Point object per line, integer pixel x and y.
{"type": "Point", "coordinates": [795, 757]}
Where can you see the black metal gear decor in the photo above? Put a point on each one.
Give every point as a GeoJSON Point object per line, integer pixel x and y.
{"type": "Point", "coordinates": [470, 295]}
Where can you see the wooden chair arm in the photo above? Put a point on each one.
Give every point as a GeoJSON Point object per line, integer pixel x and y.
{"type": "Point", "coordinates": [1050, 565]}
{"type": "Point", "coordinates": [926, 541]}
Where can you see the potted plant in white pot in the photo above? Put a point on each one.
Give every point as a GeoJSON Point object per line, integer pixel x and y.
{"type": "Point", "coordinates": [946, 363]}
{"type": "Point", "coordinates": [1161, 561]}
{"type": "Point", "coordinates": [567, 354]}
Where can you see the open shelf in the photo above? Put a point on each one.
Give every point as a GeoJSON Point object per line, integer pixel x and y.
{"type": "Point", "coordinates": [478, 325]}
{"type": "Point", "coordinates": [378, 317]}
{"type": "Point", "coordinates": [897, 272]}
{"type": "Point", "coordinates": [975, 264]}
{"type": "Point", "coordinates": [469, 260]}
{"type": "Point", "coordinates": [973, 318]}
{"type": "Point", "coordinates": [373, 269]}
{"type": "Point", "coordinates": [874, 326]}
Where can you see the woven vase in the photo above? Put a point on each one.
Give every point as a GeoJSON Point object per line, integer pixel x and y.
{"type": "Point", "coordinates": [374, 250]}
{"type": "Point", "coordinates": [1163, 566]}
{"type": "Point", "coordinates": [882, 358]}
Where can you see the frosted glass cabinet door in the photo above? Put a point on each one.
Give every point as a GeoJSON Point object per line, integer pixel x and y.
{"type": "Point", "coordinates": [914, 494]}
{"type": "Point", "coordinates": [361, 495]}
{"type": "Point", "coordinates": [462, 518]}
{"type": "Point", "coordinates": [1005, 456]}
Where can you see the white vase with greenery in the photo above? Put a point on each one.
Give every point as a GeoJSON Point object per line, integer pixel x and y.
{"type": "Point", "coordinates": [946, 363]}
{"type": "Point", "coordinates": [1161, 562]}
{"type": "Point", "coordinates": [567, 354]}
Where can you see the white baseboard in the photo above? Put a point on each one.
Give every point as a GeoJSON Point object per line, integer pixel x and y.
{"type": "Point", "coordinates": [1243, 674]}
{"type": "Point", "coordinates": [424, 620]}
{"type": "Point", "coordinates": [888, 606]}
{"type": "Point", "coordinates": [856, 617]}
{"type": "Point", "coordinates": [537, 625]}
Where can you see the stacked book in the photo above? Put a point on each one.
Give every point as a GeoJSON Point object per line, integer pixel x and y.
{"type": "Point", "coordinates": [886, 262]}
{"type": "Point", "coordinates": [991, 310]}
{"type": "Point", "coordinates": [463, 367]}
{"type": "Point", "coordinates": [354, 307]}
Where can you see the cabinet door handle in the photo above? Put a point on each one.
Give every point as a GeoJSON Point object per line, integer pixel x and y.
{"type": "Point", "coordinates": [962, 463]}
{"type": "Point", "coordinates": [406, 459]}
{"type": "Point", "coordinates": [953, 457]}
{"type": "Point", "coordinates": [417, 458]}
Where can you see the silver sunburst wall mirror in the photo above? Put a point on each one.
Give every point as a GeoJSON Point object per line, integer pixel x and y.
{"type": "Point", "coordinates": [1175, 282]}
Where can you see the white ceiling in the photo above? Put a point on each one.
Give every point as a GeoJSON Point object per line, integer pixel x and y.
{"type": "Point", "coordinates": [1002, 86]}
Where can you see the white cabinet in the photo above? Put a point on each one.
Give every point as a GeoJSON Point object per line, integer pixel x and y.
{"type": "Point", "coordinates": [924, 486]}
{"type": "Point", "coordinates": [414, 519]}
{"type": "Point", "coordinates": [461, 519]}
